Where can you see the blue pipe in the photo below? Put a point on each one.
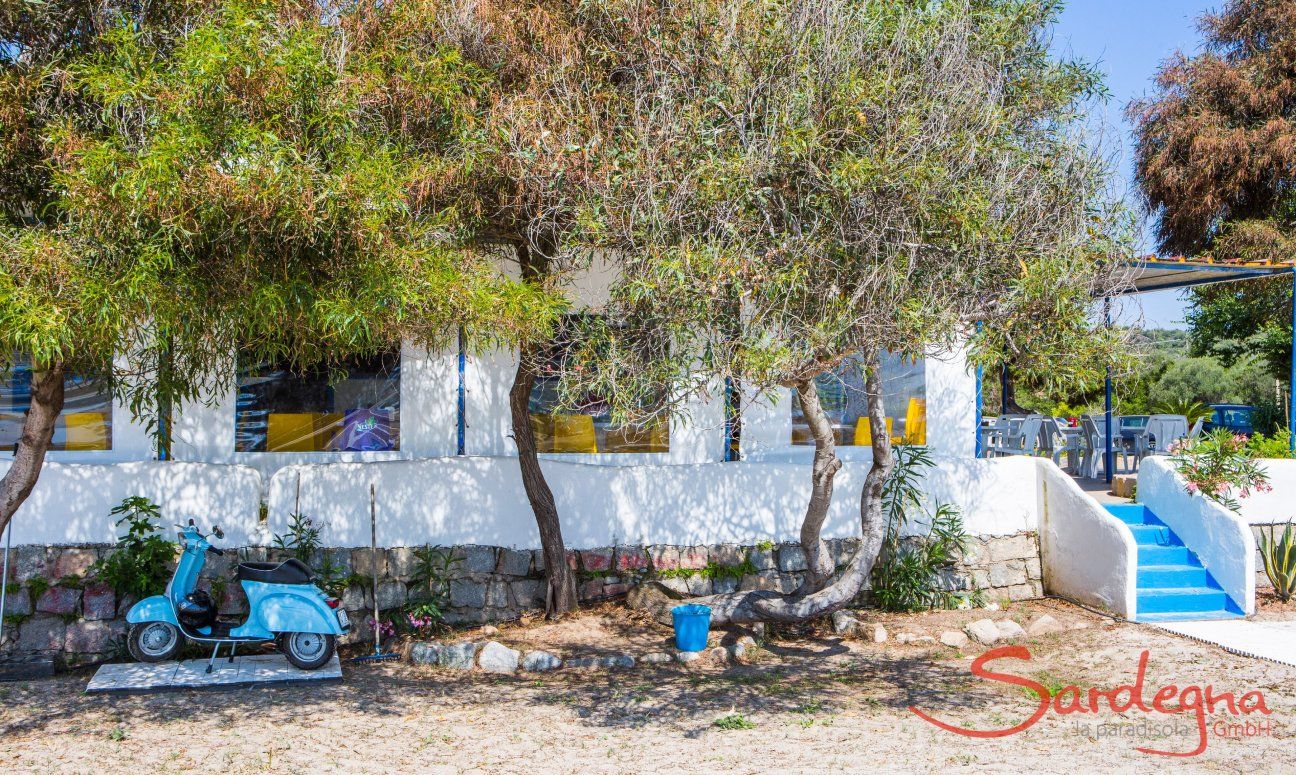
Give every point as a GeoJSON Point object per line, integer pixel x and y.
{"type": "Point", "coordinates": [1291, 421]}
{"type": "Point", "coordinates": [980, 405]}
{"type": "Point", "coordinates": [462, 419]}
{"type": "Point", "coordinates": [1109, 457]}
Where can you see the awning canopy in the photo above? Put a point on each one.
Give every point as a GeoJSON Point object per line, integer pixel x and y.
{"type": "Point", "coordinates": [1152, 273]}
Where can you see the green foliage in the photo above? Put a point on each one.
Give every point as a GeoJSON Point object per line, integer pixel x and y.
{"type": "Point", "coordinates": [433, 569]}
{"type": "Point", "coordinates": [1202, 380]}
{"type": "Point", "coordinates": [1276, 445]}
{"type": "Point", "coordinates": [139, 563]}
{"type": "Point", "coordinates": [733, 721]}
{"type": "Point", "coordinates": [1279, 555]}
{"type": "Point", "coordinates": [712, 570]}
{"type": "Point", "coordinates": [906, 575]}
{"type": "Point", "coordinates": [1193, 410]}
{"type": "Point", "coordinates": [302, 541]}
{"type": "Point", "coordinates": [1218, 465]}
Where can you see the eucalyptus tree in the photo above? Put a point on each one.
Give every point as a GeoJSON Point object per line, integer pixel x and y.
{"type": "Point", "coordinates": [826, 179]}
{"type": "Point", "coordinates": [200, 179]}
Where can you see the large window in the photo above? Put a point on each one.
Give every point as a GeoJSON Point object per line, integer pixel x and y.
{"type": "Point", "coordinates": [84, 425]}
{"type": "Point", "coordinates": [353, 407]}
{"type": "Point", "coordinates": [842, 393]}
{"type": "Point", "coordinates": [588, 428]}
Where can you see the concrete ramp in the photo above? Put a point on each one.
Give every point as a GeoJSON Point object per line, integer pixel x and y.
{"type": "Point", "coordinates": [1274, 641]}
{"type": "Point", "coordinates": [260, 669]}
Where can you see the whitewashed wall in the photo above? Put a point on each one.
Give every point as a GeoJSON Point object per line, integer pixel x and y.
{"type": "Point", "coordinates": [1278, 505]}
{"type": "Point", "coordinates": [70, 502]}
{"type": "Point", "coordinates": [479, 500]}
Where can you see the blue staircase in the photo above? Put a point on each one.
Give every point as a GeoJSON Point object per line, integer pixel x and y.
{"type": "Point", "coordinates": [1172, 584]}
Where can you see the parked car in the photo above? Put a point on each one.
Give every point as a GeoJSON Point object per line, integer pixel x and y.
{"type": "Point", "coordinates": [1236, 418]}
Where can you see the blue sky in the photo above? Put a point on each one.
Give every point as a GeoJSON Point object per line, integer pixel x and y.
{"type": "Point", "coordinates": [1128, 39]}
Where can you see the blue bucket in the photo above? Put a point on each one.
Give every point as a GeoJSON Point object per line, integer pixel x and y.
{"type": "Point", "coordinates": [692, 622]}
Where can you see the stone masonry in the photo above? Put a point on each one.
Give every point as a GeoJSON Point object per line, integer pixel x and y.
{"type": "Point", "coordinates": [82, 617]}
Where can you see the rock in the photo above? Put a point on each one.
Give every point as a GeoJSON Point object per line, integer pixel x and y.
{"type": "Point", "coordinates": [631, 558]}
{"type": "Point", "coordinates": [497, 594]}
{"type": "Point", "coordinates": [724, 585]}
{"type": "Point", "coordinates": [495, 657]}
{"type": "Point", "coordinates": [688, 657]}
{"type": "Point", "coordinates": [991, 606]}
{"type": "Point", "coordinates": [527, 593]}
{"type": "Point", "coordinates": [693, 557]}
{"type": "Point", "coordinates": [983, 631]}
{"type": "Point", "coordinates": [1009, 630]}
{"type": "Point", "coordinates": [877, 633]}
{"type": "Point", "coordinates": [354, 598]}
{"type": "Point", "coordinates": [763, 559]}
{"type": "Point", "coordinates": [596, 559]}
{"type": "Point", "coordinates": [98, 602]}
{"type": "Point", "coordinates": [718, 655]}
{"type": "Point", "coordinates": [73, 562]}
{"type": "Point", "coordinates": [656, 658]}
{"type": "Point", "coordinates": [791, 557]}
{"type": "Point", "coordinates": [365, 562]}
{"type": "Point", "coordinates": [613, 661]}
{"type": "Point", "coordinates": [458, 656]}
{"type": "Point", "coordinates": [476, 559]}
{"type": "Point", "coordinates": [539, 661]}
{"type": "Point", "coordinates": [675, 584]}
{"type": "Point", "coordinates": [92, 637]}
{"type": "Point", "coordinates": [42, 633]}
{"type": "Point", "coordinates": [699, 585]}
{"type": "Point", "coordinates": [425, 653]}
{"type": "Point", "coordinates": [402, 563]}
{"type": "Point", "coordinates": [467, 594]}
{"type": "Point", "coordinates": [1014, 547]}
{"type": "Point", "coordinates": [923, 640]}
{"type": "Point", "coordinates": [514, 562]}
{"type": "Point", "coordinates": [655, 598]}
{"type": "Point", "coordinates": [954, 639]}
{"type": "Point", "coordinates": [743, 648]}
{"type": "Point", "coordinates": [591, 589]}
{"type": "Point", "coordinates": [845, 623]}
{"type": "Point", "coordinates": [905, 638]}
{"type": "Point", "coordinates": [58, 600]}
{"type": "Point", "coordinates": [1008, 573]}
{"type": "Point", "coordinates": [391, 594]}
{"type": "Point", "coordinates": [17, 603]}
{"type": "Point", "coordinates": [1044, 625]}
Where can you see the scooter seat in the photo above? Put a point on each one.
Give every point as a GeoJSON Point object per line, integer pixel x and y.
{"type": "Point", "coordinates": [292, 571]}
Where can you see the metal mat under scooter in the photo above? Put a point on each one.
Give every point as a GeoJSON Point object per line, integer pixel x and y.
{"type": "Point", "coordinates": [192, 674]}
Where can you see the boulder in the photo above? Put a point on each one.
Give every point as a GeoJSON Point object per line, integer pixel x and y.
{"type": "Point", "coordinates": [983, 631]}
{"type": "Point", "coordinates": [954, 639]}
{"type": "Point", "coordinates": [1044, 625]}
{"type": "Point", "coordinates": [743, 648]}
{"type": "Point", "coordinates": [458, 656]}
{"type": "Point", "coordinates": [877, 633]}
{"type": "Point", "coordinates": [92, 637]}
{"type": "Point", "coordinates": [514, 562]}
{"type": "Point", "coordinates": [1009, 630]}
{"type": "Point", "coordinates": [656, 658]}
{"type": "Point", "coordinates": [540, 661]}
{"type": "Point", "coordinates": [98, 602]}
{"type": "Point", "coordinates": [845, 623]}
{"type": "Point", "coordinates": [58, 600]}
{"type": "Point", "coordinates": [596, 663]}
{"type": "Point", "coordinates": [495, 657]}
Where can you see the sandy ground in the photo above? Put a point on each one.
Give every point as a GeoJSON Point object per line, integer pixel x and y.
{"type": "Point", "coordinates": [815, 703]}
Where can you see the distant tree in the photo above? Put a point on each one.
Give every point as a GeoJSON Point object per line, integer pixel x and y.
{"type": "Point", "coordinates": [823, 180]}
{"type": "Point", "coordinates": [1215, 158]}
{"type": "Point", "coordinates": [199, 180]}
{"type": "Point", "coordinates": [1204, 380]}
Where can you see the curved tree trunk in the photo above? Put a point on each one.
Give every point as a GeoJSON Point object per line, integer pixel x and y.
{"type": "Point", "coordinates": [804, 604]}
{"type": "Point", "coordinates": [819, 564]}
{"type": "Point", "coordinates": [560, 582]}
{"type": "Point", "coordinates": [37, 434]}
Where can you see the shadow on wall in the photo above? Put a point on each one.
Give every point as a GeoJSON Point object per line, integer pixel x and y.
{"type": "Point", "coordinates": [70, 502]}
{"type": "Point", "coordinates": [480, 500]}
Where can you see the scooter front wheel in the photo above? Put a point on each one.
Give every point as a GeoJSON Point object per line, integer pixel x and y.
{"type": "Point", "coordinates": [307, 650]}
{"type": "Point", "coordinates": [154, 641]}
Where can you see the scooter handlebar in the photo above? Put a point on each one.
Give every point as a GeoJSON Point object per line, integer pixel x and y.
{"type": "Point", "coordinates": [217, 551]}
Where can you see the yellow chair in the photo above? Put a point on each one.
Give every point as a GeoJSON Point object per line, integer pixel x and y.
{"type": "Point", "coordinates": [916, 422]}
{"type": "Point", "coordinates": [542, 427]}
{"type": "Point", "coordinates": [864, 431]}
{"type": "Point", "coordinates": [637, 438]}
{"type": "Point", "coordinates": [574, 433]}
{"type": "Point", "coordinates": [328, 431]}
{"type": "Point", "coordinates": [292, 432]}
{"type": "Point", "coordinates": [85, 431]}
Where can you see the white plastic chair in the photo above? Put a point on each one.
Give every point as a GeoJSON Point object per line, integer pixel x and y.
{"type": "Point", "coordinates": [1162, 431]}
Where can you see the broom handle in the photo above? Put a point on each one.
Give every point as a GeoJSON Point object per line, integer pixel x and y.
{"type": "Point", "coordinates": [373, 558]}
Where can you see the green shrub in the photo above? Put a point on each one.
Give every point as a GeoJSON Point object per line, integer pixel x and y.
{"type": "Point", "coordinates": [1277, 445]}
{"type": "Point", "coordinates": [139, 566]}
{"type": "Point", "coordinates": [1279, 556]}
{"type": "Point", "coordinates": [906, 575]}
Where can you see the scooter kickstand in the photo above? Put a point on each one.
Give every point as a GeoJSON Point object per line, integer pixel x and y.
{"type": "Point", "coordinates": [233, 648]}
{"type": "Point", "coordinates": [212, 661]}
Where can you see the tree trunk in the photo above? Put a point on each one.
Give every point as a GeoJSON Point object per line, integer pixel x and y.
{"type": "Point", "coordinates": [1008, 402]}
{"type": "Point", "coordinates": [803, 605]}
{"type": "Point", "coordinates": [37, 433]}
{"type": "Point", "coordinates": [560, 583]}
{"type": "Point", "coordinates": [819, 564]}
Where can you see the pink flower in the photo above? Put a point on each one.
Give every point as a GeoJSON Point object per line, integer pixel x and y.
{"type": "Point", "coordinates": [1192, 487]}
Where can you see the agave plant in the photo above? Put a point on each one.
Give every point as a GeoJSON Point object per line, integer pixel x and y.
{"type": "Point", "coordinates": [1193, 410]}
{"type": "Point", "coordinates": [1280, 560]}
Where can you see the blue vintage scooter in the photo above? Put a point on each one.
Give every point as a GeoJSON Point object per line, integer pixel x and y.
{"type": "Point", "coordinates": [284, 605]}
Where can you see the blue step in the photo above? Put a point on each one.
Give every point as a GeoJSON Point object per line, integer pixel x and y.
{"type": "Point", "coordinates": [1154, 576]}
{"type": "Point", "coordinates": [1174, 600]}
{"type": "Point", "coordinates": [1154, 535]}
{"type": "Point", "coordinates": [1165, 555]}
{"type": "Point", "coordinates": [1171, 584]}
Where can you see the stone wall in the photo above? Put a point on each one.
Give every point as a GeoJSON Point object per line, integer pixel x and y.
{"type": "Point", "coordinates": [55, 605]}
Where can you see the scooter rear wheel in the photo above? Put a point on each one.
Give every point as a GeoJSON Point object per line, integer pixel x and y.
{"type": "Point", "coordinates": [307, 650]}
{"type": "Point", "coordinates": [154, 641]}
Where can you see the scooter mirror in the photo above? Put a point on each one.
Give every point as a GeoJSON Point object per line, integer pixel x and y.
{"type": "Point", "coordinates": [216, 531]}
